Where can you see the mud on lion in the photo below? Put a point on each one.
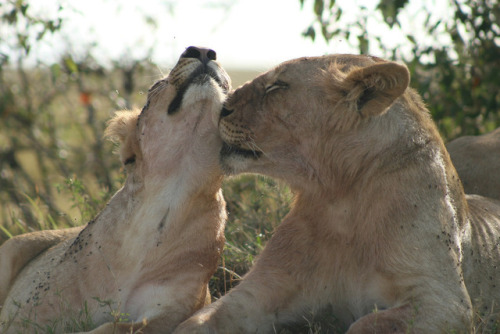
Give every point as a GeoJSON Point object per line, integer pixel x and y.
{"type": "Point", "coordinates": [381, 234]}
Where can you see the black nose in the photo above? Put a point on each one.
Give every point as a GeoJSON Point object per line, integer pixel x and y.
{"type": "Point", "coordinates": [203, 54]}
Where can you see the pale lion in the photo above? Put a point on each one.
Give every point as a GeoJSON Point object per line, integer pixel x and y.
{"type": "Point", "coordinates": [380, 234]}
{"type": "Point", "coordinates": [144, 262]}
{"type": "Point", "coordinates": [477, 161]}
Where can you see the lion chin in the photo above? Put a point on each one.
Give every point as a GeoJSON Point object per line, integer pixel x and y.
{"type": "Point", "coordinates": [149, 254]}
{"type": "Point", "coordinates": [381, 237]}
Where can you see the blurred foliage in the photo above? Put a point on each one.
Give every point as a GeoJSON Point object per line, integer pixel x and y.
{"type": "Point", "coordinates": [54, 163]}
{"type": "Point", "coordinates": [459, 80]}
{"type": "Point", "coordinates": [56, 170]}
{"type": "Point", "coordinates": [27, 28]}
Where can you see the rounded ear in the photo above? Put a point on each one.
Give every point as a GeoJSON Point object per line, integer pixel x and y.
{"type": "Point", "coordinates": [121, 129]}
{"type": "Point", "coordinates": [371, 90]}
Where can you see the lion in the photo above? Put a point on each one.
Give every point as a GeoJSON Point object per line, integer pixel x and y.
{"type": "Point", "coordinates": [143, 264]}
{"type": "Point", "coordinates": [477, 161]}
{"type": "Point", "coordinates": [380, 235]}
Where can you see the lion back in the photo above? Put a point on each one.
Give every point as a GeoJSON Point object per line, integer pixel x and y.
{"type": "Point", "coordinates": [481, 261]}
{"type": "Point", "coordinates": [477, 160]}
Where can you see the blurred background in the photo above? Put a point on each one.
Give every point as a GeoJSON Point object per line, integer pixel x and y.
{"type": "Point", "coordinates": [66, 66]}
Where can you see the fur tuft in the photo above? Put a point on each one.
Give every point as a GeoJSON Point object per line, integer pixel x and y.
{"type": "Point", "coordinates": [121, 129]}
{"type": "Point", "coordinates": [122, 125]}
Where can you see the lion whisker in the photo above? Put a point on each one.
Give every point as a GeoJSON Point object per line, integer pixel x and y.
{"type": "Point", "coordinates": [256, 148]}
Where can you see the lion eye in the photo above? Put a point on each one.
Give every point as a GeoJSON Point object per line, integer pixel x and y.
{"type": "Point", "coordinates": [276, 85]}
{"type": "Point", "coordinates": [157, 86]}
{"type": "Point", "coordinates": [130, 160]}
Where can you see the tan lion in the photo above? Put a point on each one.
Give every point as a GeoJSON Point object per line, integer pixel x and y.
{"type": "Point", "coordinates": [380, 234]}
{"type": "Point", "coordinates": [477, 161]}
{"type": "Point", "coordinates": [144, 262]}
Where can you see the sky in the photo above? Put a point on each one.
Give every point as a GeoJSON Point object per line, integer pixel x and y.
{"type": "Point", "coordinates": [251, 34]}
{"type": "Point", "coordinates": [248, 34]}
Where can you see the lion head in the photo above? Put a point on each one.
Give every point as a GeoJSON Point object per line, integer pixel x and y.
{"type": "Point", "coordinates": [180, 116]}
{"type": "Point", "coordinates": [295, 120]}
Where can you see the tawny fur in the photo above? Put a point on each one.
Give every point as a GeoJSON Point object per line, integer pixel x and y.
{"type": "Point", "coordinates": [148, 256]}
{"type": "Point", "coordinates": [381, 235]}
{"type": "Point", "coordinates": [477, 160]}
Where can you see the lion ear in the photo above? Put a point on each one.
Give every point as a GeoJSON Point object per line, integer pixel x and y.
{"type": "Point", "coordinates": [371, 90]}
{"type": "Point", "coordinates": [122, 129]}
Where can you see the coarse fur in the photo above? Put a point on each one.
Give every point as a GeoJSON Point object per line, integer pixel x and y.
{"type": "Point", "coordinates": [477, 161]}
{"type": "Point", "coordinates": [143, 264]}
{"type": "Point", "coordinates": [380, 235]}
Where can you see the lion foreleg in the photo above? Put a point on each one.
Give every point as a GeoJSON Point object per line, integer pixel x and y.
{"type": "Point", "coordinates": [268, 297]}
{"type": "Point", "coordinates": [405, 319]}
{"type": "Point", "coordinates": [231, 314]}
{"type": "Point", "coordinates": [260, 304]}
{"type": "Point", "coordinates": [394, 320]}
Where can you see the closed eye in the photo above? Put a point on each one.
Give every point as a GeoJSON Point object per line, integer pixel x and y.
{"type": "Point", "coordinates": [157, 87]}
{"type": "Point", "coordinates": [276, 85]}
{"type": "Point", "coordinates": [130, 160]}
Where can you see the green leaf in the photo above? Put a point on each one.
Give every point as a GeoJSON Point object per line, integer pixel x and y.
{"type": "Point", "coordinates": [338, 15]}
{"type": "Point", "coordinates": [390, 10]}
{"type": "Point", "coordinates": [363, 44]}
{"type": "Point", "coordinates": [11, 17]}
{"type": "Point", "coordinates": [326, 34]}
{"type": "Point", "coordinates": [310, 32]}
{"type": "Point", "coordinates": [434, 27]}
{"type": "Point", "coordinates": [24, 9]}
{"type": "Point", "coordinates": [318, 7]}
{"type": "Point", "coordinates": [71, 65]}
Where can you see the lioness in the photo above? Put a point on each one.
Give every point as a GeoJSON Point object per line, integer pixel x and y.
{"type": "Point", "coordinates": [380, 234]}
{"type": "Point", "coordinates": [148, 256]}
{"type": "Point", "coordinates": [477, 160]}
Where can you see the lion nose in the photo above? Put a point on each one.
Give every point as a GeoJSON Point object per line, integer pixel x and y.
{"type": "Point", "coordinates": [203, 54]}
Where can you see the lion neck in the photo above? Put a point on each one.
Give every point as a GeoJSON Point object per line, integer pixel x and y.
{"type": "Point", "coordinates": [361, 190]}
{"type": "Point", "coordinates": [151, 212]}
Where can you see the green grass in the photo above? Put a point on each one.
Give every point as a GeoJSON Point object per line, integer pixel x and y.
{"type": "Point", "coordinates": [255, 206]}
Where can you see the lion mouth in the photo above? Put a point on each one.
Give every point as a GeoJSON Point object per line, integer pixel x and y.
{"type": "Point", "coordinates": [228, 150]}
{"type": "Point", "coordinates": [200, 75]}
